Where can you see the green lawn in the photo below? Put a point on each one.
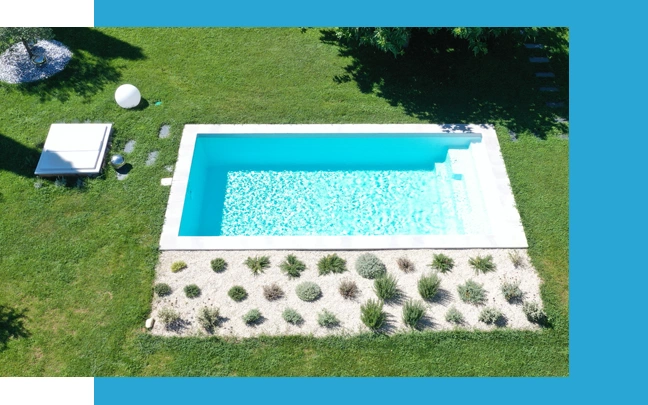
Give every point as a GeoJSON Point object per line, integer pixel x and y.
{"type": "Point", "coordinates": [77, 263]}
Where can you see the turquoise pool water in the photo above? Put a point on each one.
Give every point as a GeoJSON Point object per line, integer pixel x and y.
{"type": "Point", "coordinates": [342, 184]}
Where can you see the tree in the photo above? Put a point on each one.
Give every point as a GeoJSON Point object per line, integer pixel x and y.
{"type": "Point", "coordinates": [395, 40]}
{"type": "Point", "coordinates": [9, 36]}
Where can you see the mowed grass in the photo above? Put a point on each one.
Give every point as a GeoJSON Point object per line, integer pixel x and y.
{"type": "Point", "coordinates": [77, 263]}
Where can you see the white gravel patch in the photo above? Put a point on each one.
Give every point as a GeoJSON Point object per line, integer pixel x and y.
{"type": "Point", "coordinates": [214, 287]}
{"type": "Point", "coordinates": [16, 67]}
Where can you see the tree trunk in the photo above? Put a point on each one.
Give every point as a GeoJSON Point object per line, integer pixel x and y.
{"type": "Point", "coordinates": [31, 55]}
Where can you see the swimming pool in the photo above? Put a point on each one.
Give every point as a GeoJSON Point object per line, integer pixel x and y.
{"type": "Point", "coordinates": [340, 187]}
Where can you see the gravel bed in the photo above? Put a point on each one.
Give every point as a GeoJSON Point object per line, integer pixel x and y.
{"type": "Point", "coordinates": [16, 67]}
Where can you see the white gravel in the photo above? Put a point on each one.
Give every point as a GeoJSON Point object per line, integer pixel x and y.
{"type": "Point", "coordinates": [214, 288]}
{"type": "Point", "coordinates": [16, 67]}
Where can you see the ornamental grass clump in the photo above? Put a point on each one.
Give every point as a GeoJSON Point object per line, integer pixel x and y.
{"type": "Point", "coordinates": [237, 293]}
{"type": "Point", "coordinates": [327, 319]}
{"type": "Point", "coordinates": [472, 292]}
{"type": "Point", "coordinates": [516, 259]}
{"type": "Point", "coordinates": [331, 264]}
{"type": "Point", "coordinates": [209, 318]}
{"type": "Point", "coordinates": [272, 292]}
{"type": "Point", "coordinates": [413, 312]}
{"type": "Point", "coordinates": [292, 266]}
{"type": "Point", "coordinates": [442, 263]}
{"type": "Point", "coordinates": [162, 289]}
{"type": "Point", "coordinates": [178, 266]}
{"type": "Point", "coordinates": [348, 289]}
{"type": "Point", "coordinates": [257, 264]}
{"type": "Point", "coordinates": [511, 291]}
{"type": "Point", "coordinates": [169, 317]}
{"type": "Point", "coordinates": [386, 287]}
{"type": "Point", "coordinates": [490, 315]}
{"type": "Point", "coordinates": [252, 317]}
{"type": "Point", "coordinates": [218, 265]}
{"type": "Point", "coordinates": [370, 266]}
{"type": "Point", "coordinates": [428, 286]}
{"type": "Point", "coordinates": [292, 316]}
{"type": "Point", "coordinates": [372, 314]}
{"type": "Point", "coordinates": [192, 291]}
{"type": "Point", "coordinates": [308, 291]}
{"type": "Point", "coordinates": [482, 264]}
{"type": "Point", "coordinates": [454, 316]}
{"type": "Point", "coordinates": [534, 312]}
{"type": "Point", "coordinates": [405, 264]}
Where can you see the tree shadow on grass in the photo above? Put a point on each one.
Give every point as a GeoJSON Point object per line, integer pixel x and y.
{"type": "Point", "coordinates": [91, 67]}
{"type": "Point", "coordinates": [12, 325]}
{"type": "Point", "coordinates": [17, 158]}
{"type": "Point", "coordinates": [439, 80]}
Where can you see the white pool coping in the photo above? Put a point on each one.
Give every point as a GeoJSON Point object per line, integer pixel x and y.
{"type": "Point", "coordinates": [506, 226]}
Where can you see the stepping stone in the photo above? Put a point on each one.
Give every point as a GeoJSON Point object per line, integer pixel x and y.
{"type": "Point", "coordinates": [166, 181]}
{"type": "Point", "coordinates": [555, 105]}
{"type": "Point", "coordinates": [545, 74]}
{"type": "Point", "coordinates": [164, 131]}
{"type": "Point", "coordinates": [130, 145]}
{"type": "Point", "coordinates": [549, 89]}
{"type": "Point", "coordinates": [152, 157]}
{"type": "Point", "coordinates": [533, 46]}
{"type": "Point", "coordinates": [121, 176]}
{"type": "Point", "coordinates": [538, 59]}
{"type": "Point", "coordinates": [169, 168]}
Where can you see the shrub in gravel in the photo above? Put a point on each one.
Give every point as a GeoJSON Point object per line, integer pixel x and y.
{"type": "Point", "coordinates": [372, 314]}
{"type": "Point", "coordinates": [442, 263]}
{"type": "Point", "coordinates": [472, 292]}
{"type": "Point", "coordinates": [272, 292]}
{"type": "Point", "coordinates": [386, 287]}
{"type": "Point", "coordinates": [292, 266]}
{"type": "Point", "coordinates": [308, 291]}
{"type": "Point", "coordinates": [516, 259]}
{"type": "Point", "coordinates": [413, 312]}
{"type": "Point", "coordinates": [327, 319]}
{"type": "Point", "coordinates": [482, 263]}
{"type": "Point", "coordinates": [405, 264]}
{"type": "Point", "coordinates": [511, 291]}
{"type": "Point", "coordinates": [168, 316]}
{"type": "Point", "coordinates": [370, 266]}
{"type": "Point", "coordinates": [291, 316]}
{"type": "Point", "coordinates": [454, 316]}
{"type": "Point", "coordinates": [209, 318]}
{"type": "Point", "coordinates": [331, 264]}
{"type": "Point", "coordinates": [178, 266]}
{"type": "Point", "coordinates": [428, 286]}
{"type": "Point", "coordinates": [490, 315]}
{"type": "Point", "coordinates": [218, 265]}
{"type": "Point", "coordinates": [252, 316]}
{"type": "Point", "coordinates": [192, 291]}
{"type": "Point", "coordinates": [237, 293]}
{"type": "Point", "coordinates": [534, 312]}
{"type": "Point", "coordinates": [162, 289]}
{"type": "Point", "coordinates": [348, 289]}
{"type": "Point", "coordinates": [258, 264]}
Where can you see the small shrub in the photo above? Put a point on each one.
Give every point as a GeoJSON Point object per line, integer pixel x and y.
{"type": "Point", "coordinates": [308, 291]}
{"type": "Point", "coordinates": [490, 315]}
{"type": "Point", "coordinates": [218, 265]}
{"type": "Point", "coordinates": [178, 266]}
{"type": "Point", "coordinates": [327, 319]}
{"type": "Point", "coordinates": [291, 316]}
{"type": "Point", "coordinates": [405, 264]}
{"type": "Point", "coordinates": [162, 289]}
{"type": "Point", "coordinates": [472, 292]}
{"type": "Point", "coordinates": [348, 289]}
{"type": "Point", "coordinates": [331, 264]}
{"type": "Point", "coordinates": [370, 266]}
{"type": "Point", "coordinates": [386, 287]}
{"type": "Point", "coordinates": [516, 259]}
{"type": "Point", "coordinates": [372, 314]}
{"type": "Point", "coordinates": [511, 291]}
{"type": "Point", "coordinates": [272, 292]}
{"type": "Point", "coordinates": [168, 316]}
{"type": "Point", "coordinates": [442, 263]}
{"type": "Point", "coordinates": [257, 264]}
{"type": "Point", "coordinates": [454, 315]}
{"type": "Point", "coordinates": [413, 312]}
{"type": "Point", "coordinates": [428, 286]}
{"type": "Point", "coordinates": [534, 312]}
{"type": "Point", "coordinates": [208, 318]}
{"type": "Point", "coordinates": [237, 293]}
{"type": "Point", "coordinates": [192, 291]}
{"type": "Point", "coordinates": [482, 263]}
{"type": "Point", "coordinates": [292, 266]}
{"type": "Point", "coordinates": [253, 316]}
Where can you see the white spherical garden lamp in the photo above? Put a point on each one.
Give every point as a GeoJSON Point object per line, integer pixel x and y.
{"type": "Point", "coordinates": [127, 96]}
